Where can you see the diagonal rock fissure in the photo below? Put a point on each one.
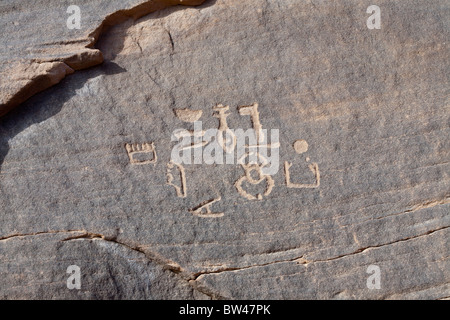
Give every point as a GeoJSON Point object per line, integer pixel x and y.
{"type": "Point", "coordinates": [192, 278]}
{"type": "Point", "coordinates": [303, 261]}
{"type": "Point", "coordinates": [364, 249]}
{"type": "Point", "coordinates": [166, 264]}
{"type": "Point", "coordinates": [420, 206]}
{"type": "Point", "coordinates": [231, 269]}
{"type": "Point", "coordinates": [21, 235]}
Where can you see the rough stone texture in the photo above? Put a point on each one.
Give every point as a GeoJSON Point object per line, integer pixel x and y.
{"type": "Point", "coordinates": [373, 106]}
{"type": "Point", "coordinates": [38, 50]}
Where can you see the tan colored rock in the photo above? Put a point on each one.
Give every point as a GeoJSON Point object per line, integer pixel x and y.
{"type": "Point", "coordinates": [25, 51]}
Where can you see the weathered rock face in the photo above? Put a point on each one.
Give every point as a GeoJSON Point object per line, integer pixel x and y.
{"type": "Point", "coordinates": [362, 185]}
{"type": "Point", "coordinates": [39, 47]}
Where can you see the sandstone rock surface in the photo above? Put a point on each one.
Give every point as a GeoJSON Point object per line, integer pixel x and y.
{"type": "Point", "coordinates": [39, 50]}
{"type": "Point", "coordinates": [364, 112]}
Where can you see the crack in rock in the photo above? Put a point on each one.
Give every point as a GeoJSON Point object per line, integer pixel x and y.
{"type": "Point", "coordinates": [166, 264]}
{"type": "Point", "coordinates": [27, 78]}
{"type": "Point", "coordinates": [303, 261]}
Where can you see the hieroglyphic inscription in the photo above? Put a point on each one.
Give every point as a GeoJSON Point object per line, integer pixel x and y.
{"type": "Point", "coordinates": [314, 169]}
{"type": "Point", "coordinates": [229, 143]}
{"type": "Point", "coordinates": [204, 210]}
{"type": "Point", "coordinates": [301, 146]}
{"type": "Point", "coordinates": [180, 189]}
{"type": "Point", "coordinates": [254, 160]}
{"type": "Point", "coordinates": [252, 166]}
{"type": "Point", "coordinates": [253, 112]}
{"type": "Point", "coordinates": [248, 178]}
{"type": "Point", "coordinates": [137, 150]}
{"type": "Point", "coordinates": [188, 115]}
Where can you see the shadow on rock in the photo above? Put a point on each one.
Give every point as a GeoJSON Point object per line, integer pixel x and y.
{"type": "Point", "coordinates": [46, 104]}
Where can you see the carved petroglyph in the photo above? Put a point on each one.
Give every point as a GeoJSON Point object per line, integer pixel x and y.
{"type": "Point", "coordinates": [254, 157]}
{"type": "Point", "coordinates": [180, 189]}
{"type": "Point", "coordinates": [204, 210]}
{"type": "Point", "coordinates": [301, 146]}
{"type": "Point", "coordinates": [256, 183]}
{"type": "Point", "coordinates": [222, 116]}
{"type": "Point", "coordinates": [254, 166]}
{"type": "Point", "coordinates": [253, 112]}
{"type": "Point", "coordinates": [314, 169]}
{"type": "Point", "coordinates": [188, 115]}
{"type": "Point", "coordinates": [229, 143]}
{"type": "Point", "coordinates": [197, 135]}
{"type": "Point", "coordinates": [248, 177]}
{"type": "Point", "coordinates": [138, 153]}
{"type": "Point", "coordinates": [261, 146]}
